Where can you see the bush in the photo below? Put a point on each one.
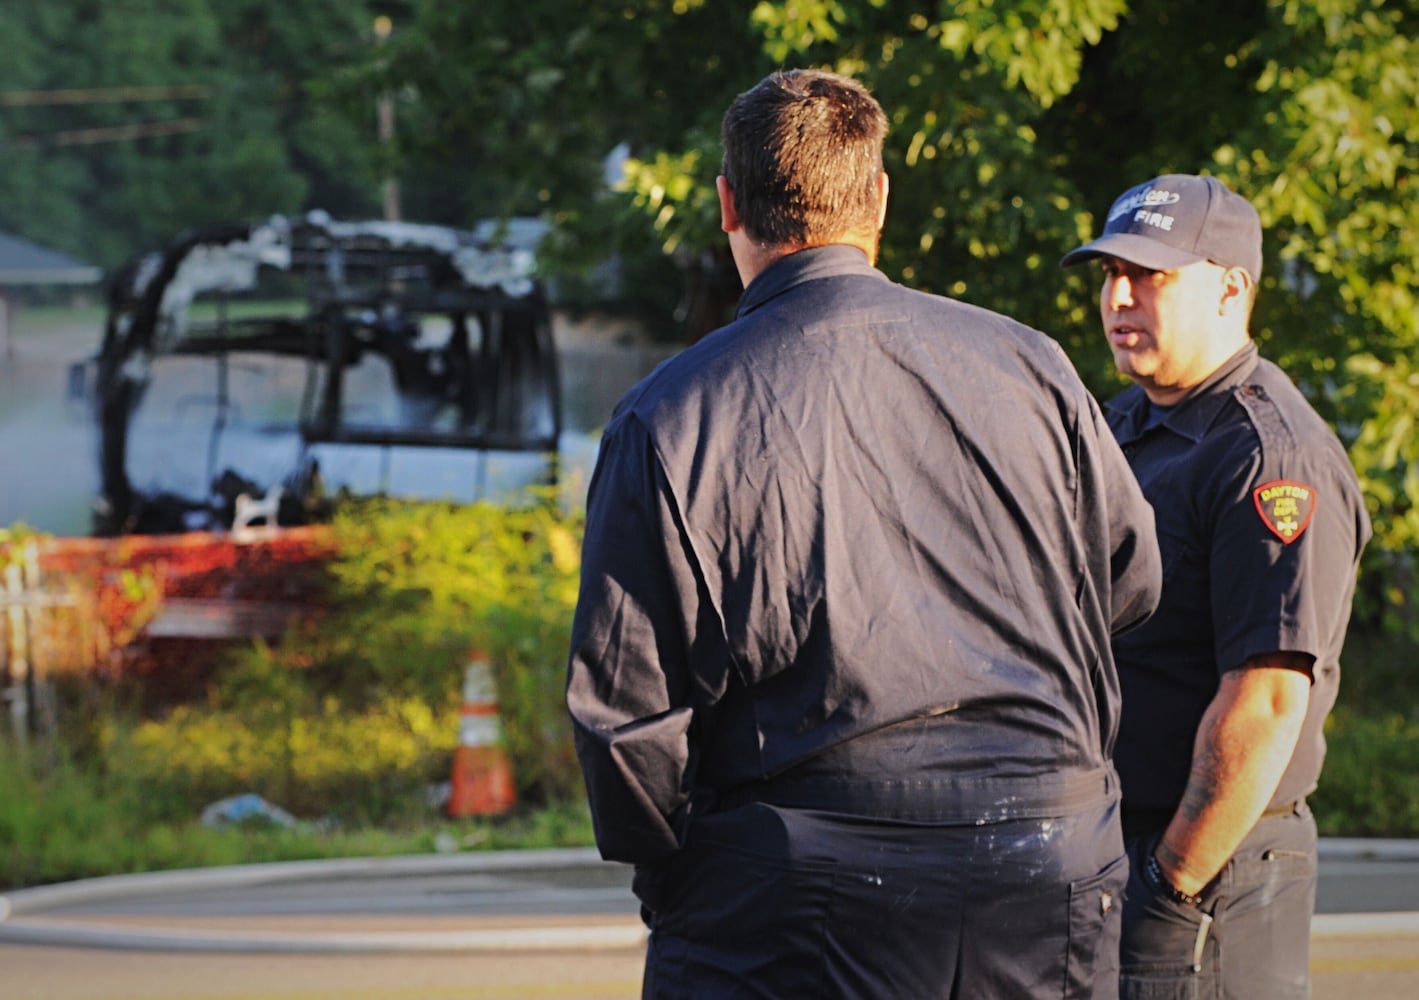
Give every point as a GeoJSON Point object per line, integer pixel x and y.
{"type": "Point", "coordinates": [370, 767]}
{"type": "Point", "coordinates": [422, 586]}
{"type": "Point", "coordinates": [355, 715]}
{"type": "Point", "coordinates": [1370, 786]}
{"type": "Point", "coordinates": [350, 719]}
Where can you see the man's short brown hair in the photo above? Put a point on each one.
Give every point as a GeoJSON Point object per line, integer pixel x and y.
{"type": "Point", "coordinates": [802, 154]}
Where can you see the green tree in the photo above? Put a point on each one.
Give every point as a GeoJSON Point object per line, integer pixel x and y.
{"type": "Point", "coordinates": [1015, 122]}
{"type": "Point", "coordinates": [1332, 155]}
{"type": "Point", "coordinates": [513, 109]}
{"type": "Point", "coordinates": [1310, 109]}
{"type": "Point", "coordinates": [240, 135]}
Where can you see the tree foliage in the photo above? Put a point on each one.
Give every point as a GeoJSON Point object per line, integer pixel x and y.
{"type": "Point", "coordinates": [1014, 124]}
{"type": "Point", "coordinates": [103, 176]}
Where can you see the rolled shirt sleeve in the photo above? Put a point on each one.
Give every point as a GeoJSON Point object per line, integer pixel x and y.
{"type": "Point", "coordinates": [627, 681]}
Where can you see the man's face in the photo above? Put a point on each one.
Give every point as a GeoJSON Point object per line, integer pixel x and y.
{"type": "Point", "coordinates": [1160, 324]}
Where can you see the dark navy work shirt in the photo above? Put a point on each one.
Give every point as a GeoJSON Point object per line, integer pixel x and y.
{"type": "Point", "coordinates": [860, 524]}
{"type": "Point", "coordinates": [1261, 525]}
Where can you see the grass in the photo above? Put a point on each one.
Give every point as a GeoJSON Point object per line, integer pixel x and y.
{"type": "Point", "coordinates": [60, 822]}
{"type": "Point", "coordinates": [39, 320]}
{"type": "Point", "coordinates": [125, 812]}
{"type": "Point", "coordinates": [35, 321]}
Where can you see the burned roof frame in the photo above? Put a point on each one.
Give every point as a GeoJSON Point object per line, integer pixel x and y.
{"type": "Point", "coordinates": [364, 286]}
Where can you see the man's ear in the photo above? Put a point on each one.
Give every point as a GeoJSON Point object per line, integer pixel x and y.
{"type": "Point", "coordinates": [1236, 288]}
{"type": "Point", "coordinates": [728, 215]}
{"type": "Point", "coordinates": [882, 187]}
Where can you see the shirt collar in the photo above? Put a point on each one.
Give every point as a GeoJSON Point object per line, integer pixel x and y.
{"type": "Point", "coordinates": [833, 260]}
{"type": "Point", "coordinates": [1192, 415]}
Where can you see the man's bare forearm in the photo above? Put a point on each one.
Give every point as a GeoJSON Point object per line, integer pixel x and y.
{"type": "Point", "coordinates": [1243, 745]}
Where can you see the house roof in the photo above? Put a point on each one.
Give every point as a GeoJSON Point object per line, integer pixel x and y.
{"type": "Point", "coordinates": [26, 263]}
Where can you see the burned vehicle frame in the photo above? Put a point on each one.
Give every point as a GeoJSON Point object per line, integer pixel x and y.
{"type": "Point", "coordinates": [455, 319]}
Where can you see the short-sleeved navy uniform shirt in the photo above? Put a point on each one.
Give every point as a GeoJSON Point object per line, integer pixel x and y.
{"type": "Point", "coordinates": [1261, 524]}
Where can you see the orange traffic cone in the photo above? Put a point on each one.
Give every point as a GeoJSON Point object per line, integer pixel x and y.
{"type": "Point", "coordinates": [482, 778]}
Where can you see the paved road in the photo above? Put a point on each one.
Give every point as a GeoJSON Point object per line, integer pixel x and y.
{"type": "Point", "coordinates": [504, 925]}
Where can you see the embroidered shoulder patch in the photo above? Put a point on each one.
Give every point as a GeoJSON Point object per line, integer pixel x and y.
{"type": "Point", "coordinates": [1285, 507]}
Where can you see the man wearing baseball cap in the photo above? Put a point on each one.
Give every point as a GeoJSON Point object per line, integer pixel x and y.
{"type": "Point", "coordinates": [1225, 689]}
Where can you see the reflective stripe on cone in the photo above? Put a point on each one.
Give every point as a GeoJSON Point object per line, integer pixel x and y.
{"type": "Point", "coordinates": [482, 777]}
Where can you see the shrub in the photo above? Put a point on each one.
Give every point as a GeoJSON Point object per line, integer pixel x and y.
{"type": "Point", "coordinates": [424, 585]}
{"type": "Point", "coordinates": [1370, 785]}
{"type": "Point", "coordinates": [355, 714]}
{"type": "Point", "coordinates": [314, 760]}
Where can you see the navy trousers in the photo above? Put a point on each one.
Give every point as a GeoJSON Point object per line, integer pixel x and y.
{"type": "Point", "coordinates": [769, 902]}
{"type": "Point", "coordinates": [1250, 937]}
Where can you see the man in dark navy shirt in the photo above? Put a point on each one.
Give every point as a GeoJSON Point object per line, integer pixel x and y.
{"type": "Point", "coordinates": [1227, 686]}
{"type": "Point", "coordinates": [840, 674]}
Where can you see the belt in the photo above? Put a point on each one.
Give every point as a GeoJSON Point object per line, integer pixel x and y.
{"type": "Point", "coordinates": [927, 798]}
{"type": "Point", "coordinates": [1148, 820]}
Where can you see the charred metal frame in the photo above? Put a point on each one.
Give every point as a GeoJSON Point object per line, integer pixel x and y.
{"type": "Point", "coordinates": [366, 285]}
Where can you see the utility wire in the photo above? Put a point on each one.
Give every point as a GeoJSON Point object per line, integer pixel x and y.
{"type": "Point", "coordinates": [31, 98]}
{"type": "Point", "coordinates": [112, 133]}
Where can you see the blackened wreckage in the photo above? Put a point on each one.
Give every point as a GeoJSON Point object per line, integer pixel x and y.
{"type": "Point", "coordinates": [378, 336]}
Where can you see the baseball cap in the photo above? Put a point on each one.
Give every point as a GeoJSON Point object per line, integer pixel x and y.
{"type": "Point", "coordinates": [1176, 220]}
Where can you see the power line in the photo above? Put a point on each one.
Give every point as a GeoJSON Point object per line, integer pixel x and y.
{"type": "Point", "coordinates": [103, 95]}
{"type": "Point", "coordinates": [112, 133]}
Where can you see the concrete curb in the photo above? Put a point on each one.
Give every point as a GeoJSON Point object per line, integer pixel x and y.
{"type": "Point", "coordinates": [47, 897]}
{"type": "Point", "coordinates": [1342, 925]}
{"type": "Point", "coordinates": [1368, 849]}
{"type": "Point", "coordinates": [23, 921]}
{"type": "Point", "coordinates": [625, 934]}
